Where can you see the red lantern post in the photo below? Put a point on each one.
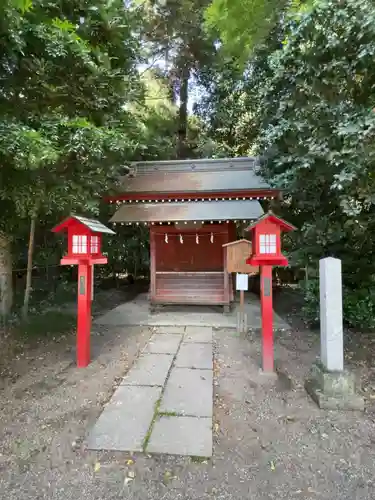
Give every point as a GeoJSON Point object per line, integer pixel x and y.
{"type": "Point", "coordinates": [266, 245]}
{"type": "Point", "coordinates": [84, 249]}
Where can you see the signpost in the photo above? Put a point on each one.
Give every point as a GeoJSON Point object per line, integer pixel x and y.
{"type": "Point", "coordinates": [266, 246]}
{"type": "Point", "coordinates": [236, 253]}
{"type": "Point", "coordinates": [84, 250]}
{"type": "Point", "coordinates": [242, 285]}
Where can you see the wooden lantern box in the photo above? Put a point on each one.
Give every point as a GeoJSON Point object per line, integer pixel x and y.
{"type": "Point", "coordinates": [235, 256]}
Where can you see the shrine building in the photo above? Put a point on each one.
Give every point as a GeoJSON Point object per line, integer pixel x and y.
{"type": "Point", "coordinates": [192, 209]}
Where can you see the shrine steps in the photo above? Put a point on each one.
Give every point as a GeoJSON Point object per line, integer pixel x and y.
{"type": "Point", "coordinates": [205, 288]}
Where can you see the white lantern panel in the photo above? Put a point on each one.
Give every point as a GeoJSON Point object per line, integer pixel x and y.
{"type": "Point", "coordinates": [267, 243]}
{"type": "Point", "coordinates": [94, 244]}
{"type": "Point", "coordinates": [79, 244]}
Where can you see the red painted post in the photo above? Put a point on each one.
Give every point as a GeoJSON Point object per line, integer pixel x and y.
{"type": "Point", "coordinates": [267, 318]}
{"type": "Point", "coordinates": [84, 314]}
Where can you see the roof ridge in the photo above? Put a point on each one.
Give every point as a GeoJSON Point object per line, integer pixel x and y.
{"type": "Point", "coordinates": [196, 165]}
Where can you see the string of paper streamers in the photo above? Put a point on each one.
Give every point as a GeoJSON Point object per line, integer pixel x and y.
{"type": "Point", "coordinates": [196, 238]}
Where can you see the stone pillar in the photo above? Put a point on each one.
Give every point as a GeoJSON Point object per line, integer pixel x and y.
{"type": "Point", "coordinates": [331, 331]}
{"type": "Point", "coordinates": [329, 385]}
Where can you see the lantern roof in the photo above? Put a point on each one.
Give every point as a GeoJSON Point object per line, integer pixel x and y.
{"type": "Point", "coordinates": [92, 224]}
{"type": "Point", "coordinates": [284, 225]}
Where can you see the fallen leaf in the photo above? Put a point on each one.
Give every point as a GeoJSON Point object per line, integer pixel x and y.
{"type": "Point", "coordinates": [272, 465]}
{"type": "Point", "coordinates": [168, 476]}
{"type": "Point", "coordinates": [97, 467]}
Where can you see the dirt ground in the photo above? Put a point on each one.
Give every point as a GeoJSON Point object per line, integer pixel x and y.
{"type": "Point", "coordinates": [270, 440]}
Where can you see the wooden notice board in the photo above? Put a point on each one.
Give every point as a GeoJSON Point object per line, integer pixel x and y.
{"type": "Point", "coordinates": [236, 254]}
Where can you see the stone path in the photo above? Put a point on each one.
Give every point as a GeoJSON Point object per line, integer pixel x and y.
{"type": "Point", "coordinates": [137, 312]}
{"type": "Point", "coordinates": [164, 403]}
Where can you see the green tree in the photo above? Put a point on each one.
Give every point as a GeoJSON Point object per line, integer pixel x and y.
{"type": "Point", "coordinates": [174, 32]}
{"type": "Point", "coordinates": [67, 72]}
{"type": "Point", "coordinates": [317, 128]}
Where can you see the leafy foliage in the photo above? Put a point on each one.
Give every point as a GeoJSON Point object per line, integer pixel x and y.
{"type": "Point", "coordinates": [175, 37]}
{"type": "Point", "coordinates": [65, 72]}
{"type": "Point", "coordinates": [242, 25]}
{"type": "Point", "coordinates": [305, 102]}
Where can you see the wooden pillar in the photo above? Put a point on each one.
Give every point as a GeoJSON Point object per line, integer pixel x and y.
{"type": "Point", "coordinates": [267, 318]}
{"type": "Point", "coordinates": [226, 274]}
{"type": "Point", "coordinates": [232, 236]}
{"type": "Point", "coordinates": [152, 264]}
{"type": "Point", "coordinates": [84, 314]}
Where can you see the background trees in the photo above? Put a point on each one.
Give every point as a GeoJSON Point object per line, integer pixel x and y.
{"type": "Point", "coordinates": [87, 87]}
{"type": "Point", "coordinates": [306, 101]}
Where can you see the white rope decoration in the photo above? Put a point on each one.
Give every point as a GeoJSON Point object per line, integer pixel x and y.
{"type": "Point", "coordinates": [166, 238]}
{"type": "Point", "coordinates": [181, 239]}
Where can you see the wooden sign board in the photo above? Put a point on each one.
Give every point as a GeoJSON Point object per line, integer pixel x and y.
{"type": "Point", "coordinates": [236, 254]}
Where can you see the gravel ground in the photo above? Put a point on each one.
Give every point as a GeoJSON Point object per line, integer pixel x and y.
{"type": "Point", "coordinates": [271, 441]}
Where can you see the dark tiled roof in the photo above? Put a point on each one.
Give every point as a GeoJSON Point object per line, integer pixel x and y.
{"type": "Point", "coordinates": [194, 176]}
{"type": "Point", "coordinates": [188, 211]}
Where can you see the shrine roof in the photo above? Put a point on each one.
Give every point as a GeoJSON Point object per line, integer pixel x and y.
{"type": "Point", "coordinates": [193, 176]}
{"type": "Point", "coordinates": [199, 211]}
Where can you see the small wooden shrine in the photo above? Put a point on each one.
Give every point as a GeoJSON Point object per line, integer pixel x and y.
{"type": "Point", "coordinates": [192, 208]}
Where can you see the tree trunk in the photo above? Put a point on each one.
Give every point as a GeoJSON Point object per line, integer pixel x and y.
{"type": "Point", "coordinates": [6, 283]}
{"type": "Point", "coordinates": [182, 118]}
{"type": "Point", "coordinates": [25, 309]}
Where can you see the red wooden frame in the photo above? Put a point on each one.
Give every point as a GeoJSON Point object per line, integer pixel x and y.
{"type": "Point", "coordinates": [226, 229]}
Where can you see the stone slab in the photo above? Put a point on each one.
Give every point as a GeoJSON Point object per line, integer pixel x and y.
{"type": "Point", "coordinates": [172, 319]}
{"type": "Point", "coordinates": [200, 334]}
{"type": "Point", "coordinates": [333, 390]}
{"type": "Point", "coordinates": [183, 386]}
{"type": "Point", "coordinates": [193, 355]}
{"type": "Point", "coordinates": [329, 402]}
{"type": "Point", "coordinates": [125, 421]}
{"type": "Point", "coordinates": [189, 436]}
{"type": "Point", "coordinates": [149, 369]}
{"type": "Point", "coordinates": [163, 344]}
{"type": "Point", "coordinates": [169, 329]}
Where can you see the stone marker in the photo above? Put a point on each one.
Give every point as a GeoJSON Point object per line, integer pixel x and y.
{"type": "Point", "coordinates": [331, 328]}
{"type": "Point", "coordinates": [328, 384]}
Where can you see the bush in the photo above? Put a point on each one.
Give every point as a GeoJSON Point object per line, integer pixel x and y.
{"type": "Point", "coordinates": [358, 306]}
{"type": "Point", "coordinates": [310, 309]}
